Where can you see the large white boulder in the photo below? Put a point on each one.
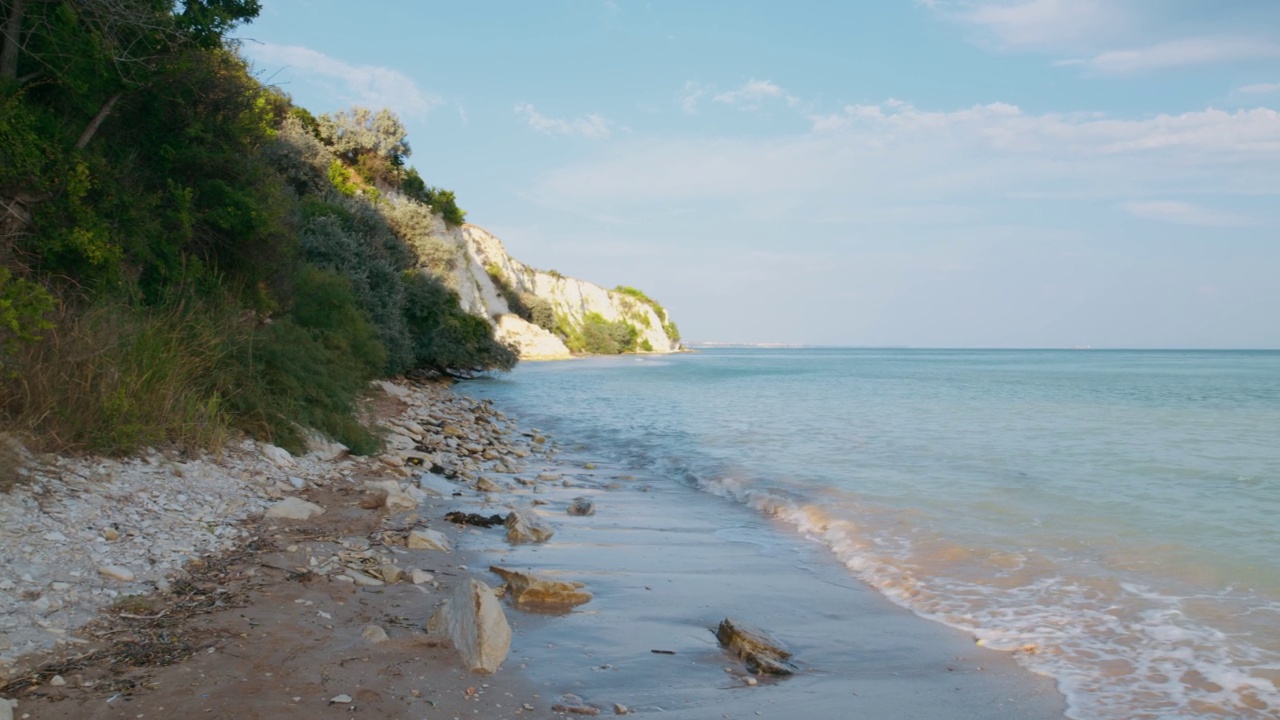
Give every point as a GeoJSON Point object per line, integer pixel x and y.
{"type": "Point", "coordinates": [472, 619]}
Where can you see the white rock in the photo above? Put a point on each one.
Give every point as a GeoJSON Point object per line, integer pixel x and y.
{"type": "Point", "coordinates": [6, 708]}
{"type": "Point", "coordinates": [392, 389]}
{"type": "Point", "coordinates": [325, 449]}
{"type": "Point", "coordinates": [342, 699]}
{"type": "Point", "coordinates": [435, 485]}
{"type": "Point", "coordinates": [374, 634]}
{"type": "Point", "coordinates": [427, 539]}
{"type": "Point", "coordinates": [581, 506]}
{"type": "Point", "coordinates": [277, 455]}
{"type": "Point", "coordinates": [292, 508]}
{"type": "Point", "coordinates": [420, 577]}
{"type": "Point", "coordinates": [363, 580]}
{"type": "Point", "coordinates": [115, 572]}
{"type": "Point", "coordinates": [57, 681]}
{"type": "Point", "coordinates": [473, 620]}
{"type": "Point", "coordinates": [525, 526]}
{"type": "Point", "coordinates": [396, 498]}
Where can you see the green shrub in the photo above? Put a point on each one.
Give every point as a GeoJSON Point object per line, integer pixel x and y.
{"type": "Point", "coordinates": [307, 369]}
{"type": "Point", "coordinates": [541, 313]}
{"type": "Point", "coordinates": [446, 339]}
{"type": "Point", "coordinates": [439, 199]}
{"type": "Point", "coordinates": [25, 307]}
{"type": "Point", "coordinates": [113, 378]}
{"type": "Point", "coordinates": [602, 337]}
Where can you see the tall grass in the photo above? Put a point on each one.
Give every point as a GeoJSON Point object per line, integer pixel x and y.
{"type": "Point", "coordinates": [114, 378]}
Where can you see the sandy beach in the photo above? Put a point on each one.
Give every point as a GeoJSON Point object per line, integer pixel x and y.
{"type": "Point", "coordinates": [275, 626]}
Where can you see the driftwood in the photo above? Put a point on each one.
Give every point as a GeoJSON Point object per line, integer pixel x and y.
{"type": "Point", "coordinates": [762, 654]}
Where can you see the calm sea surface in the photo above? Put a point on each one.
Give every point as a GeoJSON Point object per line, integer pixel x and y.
{"type": "Point", "coordinates": [1111, 517]}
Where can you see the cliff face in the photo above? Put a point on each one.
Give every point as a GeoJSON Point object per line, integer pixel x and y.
{"type": "Point", "coordinates": [489, 282]}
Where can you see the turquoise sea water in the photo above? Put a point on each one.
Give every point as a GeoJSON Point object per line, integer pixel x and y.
{"type": "Point", "coordinates": [1109, 516]}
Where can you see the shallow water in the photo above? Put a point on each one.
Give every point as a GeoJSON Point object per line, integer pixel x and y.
{"type": "Point", "coordinates": [1108, 515]}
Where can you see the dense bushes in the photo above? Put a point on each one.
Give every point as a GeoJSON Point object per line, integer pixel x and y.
{"type": "Point", "coordinates": [603, 337]}
{"type": "Point", "coordinates": [183, 256]}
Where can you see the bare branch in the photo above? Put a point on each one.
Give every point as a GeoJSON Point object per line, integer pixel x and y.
{"type": "Point", "coordinates": [96, 122]}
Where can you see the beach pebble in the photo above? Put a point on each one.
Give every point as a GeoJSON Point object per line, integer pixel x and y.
{"type": "Point", "coordinates": [292, 508]}
{"type": "Point", "coordinates": [581, 506]}
{"type": "Point", "coordinates": [427, 539]}
{"type": "Point", "coordinates": [374, 634]}
{"type": "Point", "coordinates": [342, 699]}
{"type": "Point", "coordinates": [277, 455]}
{"type": "Point", "coordinates": [115, 572]}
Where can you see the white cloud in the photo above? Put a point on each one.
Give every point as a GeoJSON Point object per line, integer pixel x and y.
{"type": "Point", "coordinates": [1190, 52]}
{"type": "Point", "coordinates": [753, 93]}
{"type": "Point", "coordinates": [1119, 36]}
{"type": "Point", "coordinates": [591, 126]}
{"type": "Point", "coordinates": [1043, 24]}
{"type": "Point", "coordinates": [693, 93]}
{"type": "Point", "coordinates": [367, 85]}
{"type": "Point", "coordinates": [1259, 88]}
{"type": "Point", "coordinates": [894, 155]}
{"type": "Point", "coordinates": [1183, 213]}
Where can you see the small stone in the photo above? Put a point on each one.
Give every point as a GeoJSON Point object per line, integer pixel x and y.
{"type": "Point", "coordinates": [6, 708]}
{"type": "Point", "coordinates": [278, 455]}
{"type": "Point", "coordinates": [115, 572]}
{"type": "Point", "coordinates": [394, 496]}
{"type": "Point", "coordinates": [342, 699]}
{"type": "Point", "coordinates": [581, 506]}
{"type": "Point", "coordinates": [363, 580]}
{"type": "Point", "coordinates": [59, 586]}
{"type": "Point", "coordinates": [524, 526]}
{"type": "Point", "coordinates": [111, 534]}
{"type": "Point", "coordinates": [292, 508]}
{"type": "Point", "coordinates": [374, 634]}
{"type": "Point", "coordinates": [548, 477]}
{"type": "Point", "coordinates": [530, 591]}
{"type": "Point", "coordinates": [484, 484]}
{"type": "Point", "coordinates": [620, 709]}
{"type": "Point", "coordinates": [391, 573]}
{"type": "Point", "coordinates": [426, 539]}
{"type": "Point", "coordinates": [57, 681]}
{"type": "Point", "coordinates": [420, 577]}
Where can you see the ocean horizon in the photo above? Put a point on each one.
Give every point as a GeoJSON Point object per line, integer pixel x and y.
{"type": "Point", "coordinates": [1106, 517]}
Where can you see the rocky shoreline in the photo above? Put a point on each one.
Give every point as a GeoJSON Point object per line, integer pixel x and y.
{"type": "Point", "coordinates": [464, 571]}
{"type": "Point", "coordinates": [95, 538]}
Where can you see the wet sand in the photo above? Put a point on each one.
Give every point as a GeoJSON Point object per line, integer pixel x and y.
{"type": "Point", "coordinates": [667, 563]}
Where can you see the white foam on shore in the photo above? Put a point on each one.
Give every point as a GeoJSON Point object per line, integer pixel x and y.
{"type": "Point", "coordinates": [1116, 650]}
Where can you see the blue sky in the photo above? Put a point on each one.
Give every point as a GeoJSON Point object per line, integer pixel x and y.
{"type": "Point", "coordinates": [942, 173]}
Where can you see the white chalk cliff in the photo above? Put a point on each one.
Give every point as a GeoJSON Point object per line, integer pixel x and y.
{"type": "Point", "coordinates": [475, 252]}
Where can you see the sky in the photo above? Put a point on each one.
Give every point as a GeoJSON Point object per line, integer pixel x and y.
{"type": "Point", "coordinates": [924, 173]}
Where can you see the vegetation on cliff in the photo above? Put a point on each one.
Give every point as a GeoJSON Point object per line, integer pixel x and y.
{"type": "Point", "coordinates": [185, 254]}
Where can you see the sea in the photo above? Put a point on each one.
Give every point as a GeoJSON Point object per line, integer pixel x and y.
{"type": "Point", "coordinates": [1108, 517]}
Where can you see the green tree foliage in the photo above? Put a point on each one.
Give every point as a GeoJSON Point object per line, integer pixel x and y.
{"type": "Point", "coordinates": [25, 308]}
{"type": "Point", "coordinates": [438, 199]}
{"type": "Point", "coordinates": [602, 337]}
{"type": "Point", "coordinates": [177, 259]}
{"type": "Point", "coordinates": [375, 144]}
{"type": "Point", "coordinates": [447, 340]}
{"type": "Point", "coordinates": [668, 326]}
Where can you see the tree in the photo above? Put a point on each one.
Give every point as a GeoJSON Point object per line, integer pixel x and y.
{"type": "Point", "coordinates": [441, 200]}
{"type": "Point", "coordinates": [80, 57]}
{"type": "Point", "coordinates": [374, 143]}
